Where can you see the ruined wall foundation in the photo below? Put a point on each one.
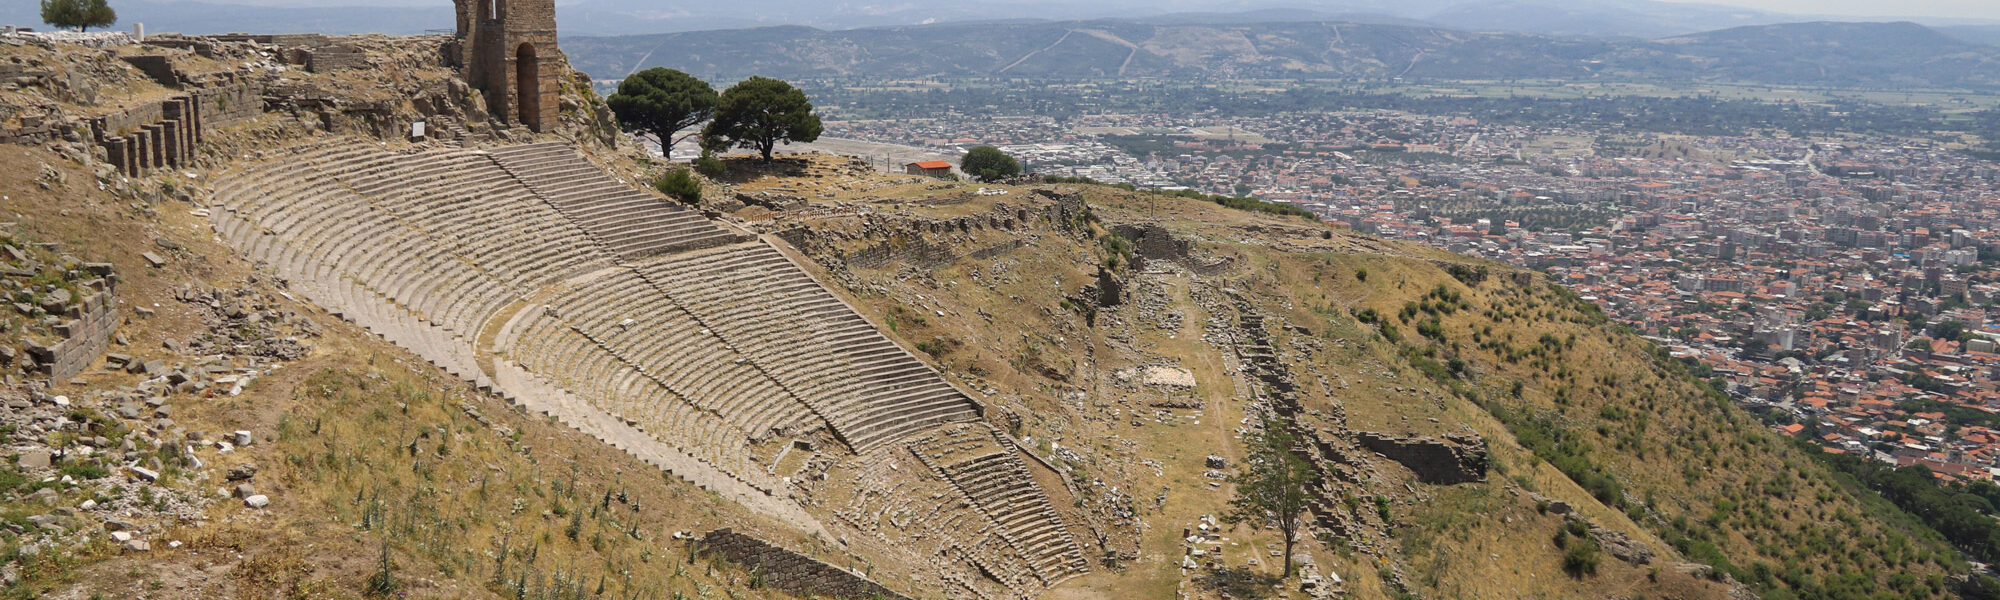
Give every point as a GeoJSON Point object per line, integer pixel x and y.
{"type": "Point", "coordinates": [1452, 460]}
{"type": "Point", "coordinates": [86, 332]}
{"type": "Point", "coordinates": [165, 134]}
{"type": "Point", "coordinates": [791, 571]}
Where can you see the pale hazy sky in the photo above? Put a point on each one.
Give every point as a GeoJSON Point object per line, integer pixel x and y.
{"type": "Point", "coordinates": [1962, 9]}
{"type": "Point", "coordinates": [1965, 9]}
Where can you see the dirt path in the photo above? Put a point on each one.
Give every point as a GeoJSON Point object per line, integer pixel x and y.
{"type": "Point", "coordinates": [1059, 41]}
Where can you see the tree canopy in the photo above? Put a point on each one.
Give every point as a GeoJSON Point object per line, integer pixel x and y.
{"type": "Point", "coordinates": [758, 113]}
{"type": "Point", "coordinates": [662, 102]}
{"type": "Point", "coordinates": [1272, 489]}
{"type": "Point", "coordinates": [81, 14]}
{"type": "Point", "coordinates": [989, 164]}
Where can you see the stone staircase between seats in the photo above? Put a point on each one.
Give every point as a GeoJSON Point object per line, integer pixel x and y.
{"type": "Point", "coordinates": [631, 223]}
{"type": "Point", "coordinates": [994, 479]}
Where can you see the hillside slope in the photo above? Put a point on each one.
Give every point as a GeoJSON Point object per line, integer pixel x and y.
{"type": "Point", "coordinates": [1478, 432]}
{"type": "Point", "coordinates": [1360, 340]}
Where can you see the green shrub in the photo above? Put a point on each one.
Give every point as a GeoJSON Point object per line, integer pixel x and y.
{"type": "Point", "coordinates": [680, 185]}
{"type": "Point", "coordinates": [11, 479]}
{"type": "Point", "coordinates": [709, 165]}
{"type": "Point", "coordinates": [1581, 557]}
{"type": "Point", "coordinates": [80, 470]}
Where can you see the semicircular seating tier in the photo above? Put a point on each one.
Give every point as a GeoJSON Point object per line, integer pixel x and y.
{"type": "Point", "coordinates": [532, 272]}
{"type": "Point", "coordinates": [637, 305]}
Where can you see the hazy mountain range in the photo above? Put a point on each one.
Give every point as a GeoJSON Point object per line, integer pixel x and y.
{"type": "Point", "coordinates": [1620, 39]}
{"type": "Point", "coordinates": [1824, 53]}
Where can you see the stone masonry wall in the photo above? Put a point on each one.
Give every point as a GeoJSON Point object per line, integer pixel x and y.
{"type": "Point", "coordinates": [1456, 459]}
{"type": "Point", "coordinates": [88, 331]}
{"type": "Point", "coordinates": [229, 105]}
{"type": "Point", "coordinates": [791, 571]}
{"type": "Point", "coordinates": [1153, 242]}
{"type": "Point", "coordinates": [164, 134]}
{"type": "Point", "coordinates": [494, 39]}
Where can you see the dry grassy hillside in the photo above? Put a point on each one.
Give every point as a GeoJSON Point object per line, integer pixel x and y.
{"type": "Point", "coordinates": [1478, 431]}
{"type": "Point", "coordinates": [361, 448]}
{"type": "Point", "coordinates": [1380, 337]}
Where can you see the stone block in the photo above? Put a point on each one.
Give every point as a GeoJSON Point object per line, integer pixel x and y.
{"type": "Point", "coordinates": [791, 571]}
{"type": "Point", "coordinates": [33, 459]}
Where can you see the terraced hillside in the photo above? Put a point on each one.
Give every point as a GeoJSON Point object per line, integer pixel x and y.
{"type": "Point", "coordinates": [696, 347]}
{"type": "Point", "coordinates": [349, 367]}
{"type": "Point", "coordinates": [1119, 345]}
{"type": "Point", "coordinates": [1478, 431]}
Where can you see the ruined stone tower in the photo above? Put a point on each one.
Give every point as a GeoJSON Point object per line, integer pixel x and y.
{"type": "Point", "coordinates": [507, 49]}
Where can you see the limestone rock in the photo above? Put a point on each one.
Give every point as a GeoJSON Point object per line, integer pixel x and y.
{"type": "Point", "coordinates": [1621, 547]}
{"type": "Point", "coordinates": [34, 459]}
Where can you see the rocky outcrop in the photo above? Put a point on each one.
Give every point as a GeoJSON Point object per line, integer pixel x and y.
{"type": "Point", "coordinates": [1618, 545]}
{"type": "Point", "coordinates": [1455, 459]}
{"type": "Point", "coordinates": [790, 571]}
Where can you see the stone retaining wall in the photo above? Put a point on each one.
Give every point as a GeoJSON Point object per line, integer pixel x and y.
{"type": "Point", "coordinates": [164, 134]}
{"type": "Point", "coordinates": [1456, 459]}
{"type": "Point", "coordinates": [157, 66]}
{"type": "Point", "coordinates": [34, 129]}
{"type": "Point", "coordinates": [1153, 242]}
{"type": "Point", "coordinates": [791, 571]}
{"type": "Point", "coordinates": [88, 332]}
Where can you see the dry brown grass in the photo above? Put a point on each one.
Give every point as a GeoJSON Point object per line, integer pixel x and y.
{"type": "Point", "coordinates": [1445, 536]}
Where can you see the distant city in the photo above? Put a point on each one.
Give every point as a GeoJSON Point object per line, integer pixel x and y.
{"type": "Point", "coordinates": [1847, 288]}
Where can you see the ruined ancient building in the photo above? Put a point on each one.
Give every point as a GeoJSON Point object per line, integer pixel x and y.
{"type": "Point", "coordinates": [696, 346]}
{"type": "Point", "coordinates": [508, 51]}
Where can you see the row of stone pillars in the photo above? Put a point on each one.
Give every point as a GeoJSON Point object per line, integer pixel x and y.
{"type": "Point", "coordinates": [169, 142]}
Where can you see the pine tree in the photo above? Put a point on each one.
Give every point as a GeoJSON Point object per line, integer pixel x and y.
{"type": "Point", "coordinates": [758, 113]}
{"type": "Point", "coordinates": [81, 14]}
{"type": "Point", "coordinates": [1272, 489]}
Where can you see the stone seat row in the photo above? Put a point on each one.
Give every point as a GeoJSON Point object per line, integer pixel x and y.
{"type": "Point", "coordinates": [934, 510]}
{"type": "Point", "coordinates": [423, 248]}
{"type": "Point", "coordinates": [354, 301]}
{"type": "Point", "coordinates": [631, 223]}
{"type": "Point", "coordinates": [519, 386]}
{"type": "Point", "coordinates": [325, 231]}
{"type": "Point", "coordinates": [552, 349]}
{"type": "Point", "coordinates": [406, 234]}
{"type": "Point", "coordinates": [879, 390]}
{"type": "Point", "coordinates": [526, 242]}
{"type": "Point", "coordinates": [649, 330]}
{"type": "Point", "coordinates": [868, 388]}
{"type": "Point", "coordinates": [1002, 488]}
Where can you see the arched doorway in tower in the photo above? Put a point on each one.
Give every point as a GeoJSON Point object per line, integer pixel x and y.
{"type": "Point", "coordinates": [528, 87]}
